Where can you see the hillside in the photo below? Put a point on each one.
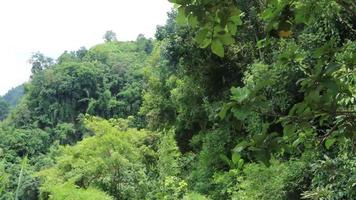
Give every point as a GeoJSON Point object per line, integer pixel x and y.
{"type": "Point", "coordinates": [13, 96]}
{"type": "Point", "coordinates": [246, 100]}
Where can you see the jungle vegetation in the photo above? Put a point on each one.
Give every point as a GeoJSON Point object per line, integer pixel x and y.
{"type": "Point", "coordinates": [232, 99]}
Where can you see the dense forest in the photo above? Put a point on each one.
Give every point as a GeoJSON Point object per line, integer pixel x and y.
{"type": "Point", "coordinates": [13, 96]}
{"type": "Point", "coordinates": [10, 100]}
{"type": "Point", "coordinates": [231, 99]}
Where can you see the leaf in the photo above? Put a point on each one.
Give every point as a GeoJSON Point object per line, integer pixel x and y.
{"type": "Point", "coordinates": [297, 142]}
{"type": "Point", "coordinates": [261, 43]}
{"type": "Point", "coordinates": [223, 111]}
{"type": "Point", "coordinates": [313, 96]}
{"type": "Point", "coordinates": [205, 43]}
{"type": "Point", "coordinates": [201, 35]}
{"type": "Point", "coordinates": [240, 163]}
{"type": "Point", "coordinates": [329, 142]}
{"type": "Point", "coordinates": [218, 30]}
{"type": "Point", "coordinates": [298, 108]}
{"type": "Point", "coordinates": [193, 21]}
{"type": "Point", "coordinates": [217, 47]}
{"type": "Point", "coordinates": [332, 67]}
{"type": "Point", "coordinates": [259, 139]}
{"type": "Point", "coordinates": [226, 39]}
{"type": "Point", "coordinates": [289, 130]}
{"type": "Point", "coordinates": [232, 27]}
{"type": "Point", "coordinates": [240, 113]}
{"type": "Point", "coordinates": [235, 158]}
{"type": "Point", "coordinates": [328, 47]}
{"type": "Point", "coordinates": [236, 19]}
{"type": "Point", "coordinates": [240, 147]}
{"type": "Point", "coordinates": [239, 94]}
{"type": "Point", "coordinates": [225, 159]}
{"type": "Point", "coordinates": [267, 14]}
{"type": "Point", "coordinates": [181, 19]}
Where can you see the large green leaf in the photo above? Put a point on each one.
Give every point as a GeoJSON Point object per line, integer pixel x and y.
{"type": "Point", "coordinates": [217, 47]}
{"type": "Point", "coordinates": [227, 39]}
{"type": "Point", "coordinates": [239, 94]}
{"type": "Point", "coordinates": [201, 35]}
{"type": "Point", "coordinates": [329, 143]}
{"type": "Point", "coordinates": [224, 109]}
{"type": "Point", "coordinates": [181, 18]}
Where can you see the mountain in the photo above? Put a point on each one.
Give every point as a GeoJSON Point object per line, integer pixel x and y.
{"type": "Point", "coordinates": [13, 96]}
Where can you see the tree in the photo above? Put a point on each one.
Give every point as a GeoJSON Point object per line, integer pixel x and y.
{"type": "Point", "coordinates": [4, 178]}
{"type": "Point", "coordinates": [4, 109]}
{"type": "Point", "coordinates": [14, 96]}
{"type": "Point", "coordinates": [268, 112]}
{"type": "Point", "coordinates": [81, 52]}
{"type": "Point", "coordinates": [40, 62]}
{"type": "Point", "coordinates": [110, 36]}
{"type": "Point", "coordinates": [112, 161]}
{"type": "Point", "coordinates": [144, 44]}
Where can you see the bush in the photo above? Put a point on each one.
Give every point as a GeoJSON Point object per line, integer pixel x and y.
{"type": "Point", "coordinates": [111, 161]}
{"type": "Point", "coordinates": [280, 180]}
{"type": "Point", "coordinates": [333, 178]}
{"type": "Point", "coordinates": [69, 191]}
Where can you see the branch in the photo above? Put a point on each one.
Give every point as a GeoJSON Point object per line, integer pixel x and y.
{"type": "Point", "coordinates": [323, 138]}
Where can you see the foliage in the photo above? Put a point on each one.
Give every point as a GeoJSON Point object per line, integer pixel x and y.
{"type": "Point", "coordinates": [333, 177]}
{"type": "Point", "coordinates": [209, 160]}
{"type": "Point", "coordinates": [14, 95]}
{"type": "Point", "coordinates": [4, 109]}
{"type": "Point", "coordinates": [268, 112]}
{"type": "Point", "coordinates": [105, 80]}
{"type": "Point", "coordinates": [70, 191]}
{"type": "Point", "coordinates": [279, 180]}
{"type": "Point", "coordinates": [172, 188]}
{"type": "Point", "coordinates": [110, 36]}
{"type": "Point", "coordinates": [170, 184]}
{"type": "Point", "coordinates": [111, 160]}
{"type": "Point", "coordinates": [217, 21]}
{"type": "Point", "coordinates": [4, 178]}
{"type": "Point", "coordinates": [169, 155]}
{"type": "Point", "coordinates": [40, 62]}
{"type": "Point", "coordinates": [194, 196]}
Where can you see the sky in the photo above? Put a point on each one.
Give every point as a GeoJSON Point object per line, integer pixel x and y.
{"type": "Point", "coordinates": [53, 26]}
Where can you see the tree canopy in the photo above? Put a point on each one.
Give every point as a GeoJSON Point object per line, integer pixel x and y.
{"type": "Point", "coordinates": [4, 109]}
{"type": "Point", "coordinates": [230, 100]}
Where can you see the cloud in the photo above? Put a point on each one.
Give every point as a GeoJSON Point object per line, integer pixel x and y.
{"type": "Point", "coordinates": [53, 26]}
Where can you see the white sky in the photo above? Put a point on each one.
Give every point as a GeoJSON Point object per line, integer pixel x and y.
{"type": "Point", "coordinates": [53, 26]}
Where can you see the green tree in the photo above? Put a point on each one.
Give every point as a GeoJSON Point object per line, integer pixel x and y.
{"type": "Point", "coordinates": [4, 179]}
{"type": "Point", "coordinates": [111, 160]}
{"type": "Point", "coordinates": [267, 111]}
{"type": "Point", "coordinates": [14, 95]}
{"type": "Point", "coordinates": [40, 62]}
{"type": "Point", "coordinates": [4, 109]}
{"type": "Point", "coordinates": [110, 36]}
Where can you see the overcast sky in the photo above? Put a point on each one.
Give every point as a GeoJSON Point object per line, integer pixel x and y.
{"type": "Point", "coordinates": [53, 26]}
